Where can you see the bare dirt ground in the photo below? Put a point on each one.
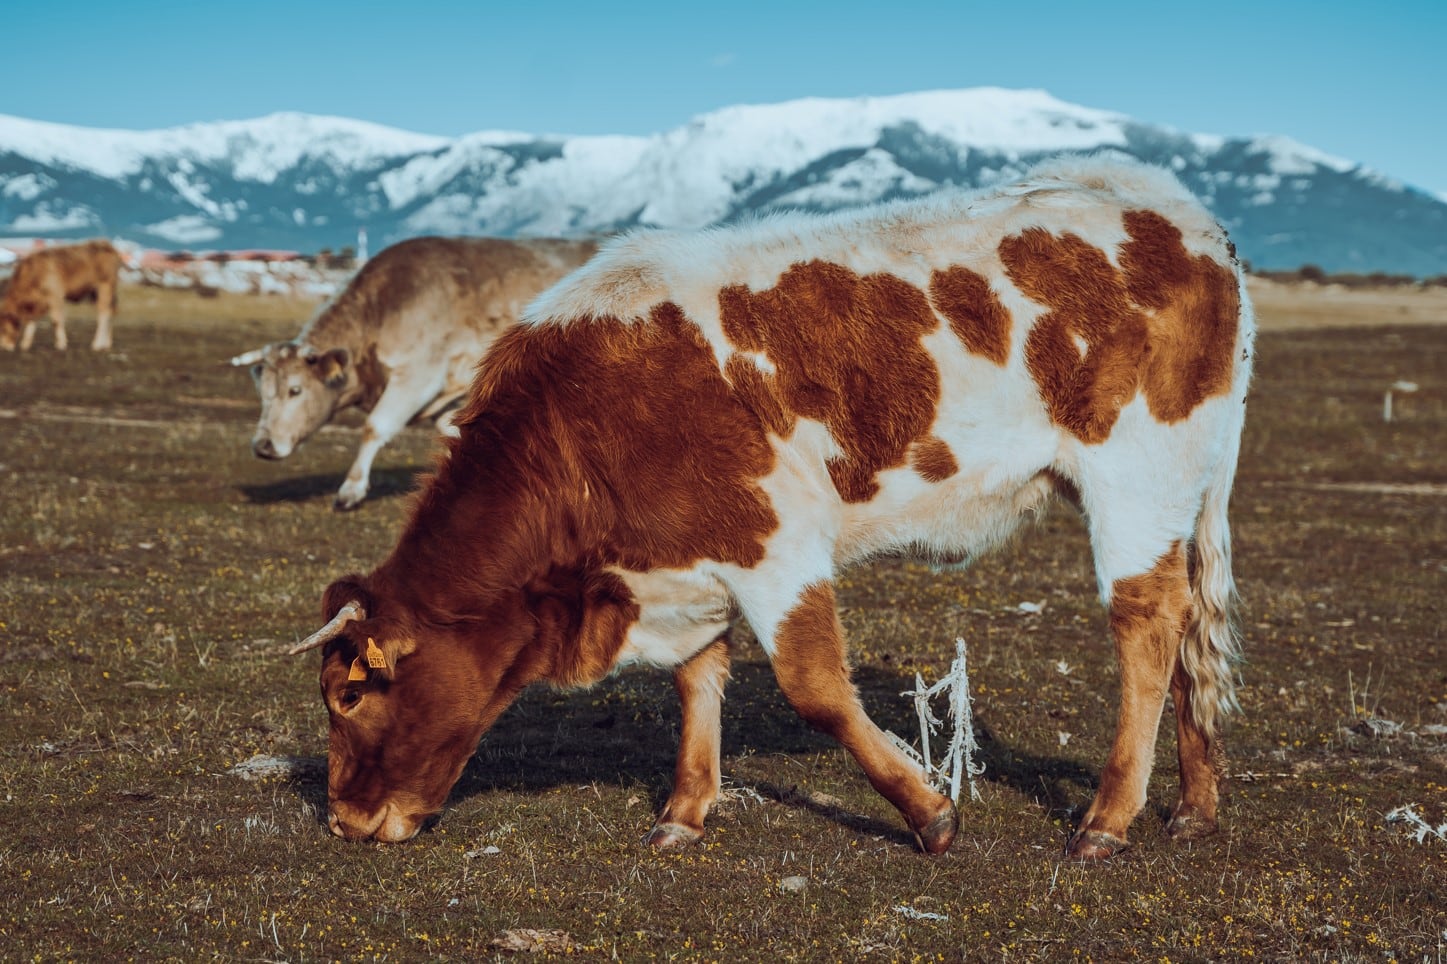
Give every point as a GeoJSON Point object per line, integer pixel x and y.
{"type": "Point", "coordinates": [164, 792]}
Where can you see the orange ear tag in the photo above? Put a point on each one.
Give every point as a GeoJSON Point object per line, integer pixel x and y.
{"type": "Point", "coordinates": [375, 657]}
{"type": "Point", "coordinates": [357, 672]}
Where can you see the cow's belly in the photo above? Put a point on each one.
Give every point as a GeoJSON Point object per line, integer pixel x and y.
{"type": "Point", "coordinates": [947, 523]}
{"type": "Point", "coordinates": [680, 611]}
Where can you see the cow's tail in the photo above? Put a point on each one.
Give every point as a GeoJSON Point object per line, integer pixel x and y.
{"type": "Point", "coordinates": [1212, 646]}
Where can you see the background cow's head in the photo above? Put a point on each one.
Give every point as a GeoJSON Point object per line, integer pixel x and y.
{"type": "Point", "coordinates": [300, 389]}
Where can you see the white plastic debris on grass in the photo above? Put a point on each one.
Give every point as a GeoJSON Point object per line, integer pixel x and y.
{"type": "Point", "coordinates": [1419, 828]}
{"type": "Point", "coordinates": [958, 763]}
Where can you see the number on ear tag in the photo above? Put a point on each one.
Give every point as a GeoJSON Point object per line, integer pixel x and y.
{"type": "Point", "coordinates": [375, 657]}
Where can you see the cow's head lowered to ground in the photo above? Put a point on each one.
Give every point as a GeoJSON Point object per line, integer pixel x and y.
{"type": "Point", "coordinates": [409, 700]}
{"type": "Point", "coordinates": [300, 388]}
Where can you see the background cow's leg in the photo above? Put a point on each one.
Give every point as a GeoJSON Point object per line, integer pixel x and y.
{"type": "Point", "coordinates": [105, 306]}
{"type": "Point", "coordinates": [1148, 617]}
{"type": "Point", "coordinates": [700, 685]}
{"type": "Point", "coordinates": [27, 335]}
{"type": "Point", "coordinates": [402, 399]}
{"type": "Point", "coordinates": [810, 663]}
{"type": "Point", "coordinates": [57, 321]}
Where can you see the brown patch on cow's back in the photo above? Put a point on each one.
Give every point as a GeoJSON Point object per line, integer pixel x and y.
{"type": "Point", "coordinates": [1163, 324]}
{"type": "Point", "coordinates": [933, 460]}
{"type": "Point", "coordinates": [1198, 307]}
{"type": "Point", "coordinates": [846, 351]}
{"type": "Point", "coordinates": [974, 312]}
{"type": "Point", "coordinates": [626, 435]}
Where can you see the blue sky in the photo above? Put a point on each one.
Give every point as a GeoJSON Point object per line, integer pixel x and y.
{"type": "Point", "coordinates": [1365, 82]}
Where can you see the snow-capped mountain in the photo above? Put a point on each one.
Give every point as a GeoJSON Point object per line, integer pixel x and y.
{"type": "Point", "coordinates": [307, 182]}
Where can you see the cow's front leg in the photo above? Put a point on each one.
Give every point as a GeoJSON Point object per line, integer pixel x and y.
{"type": "Point", "coordinates": [700, 684]}
{"type": "Point", "coordinates": [27, 335]}
{"type": "Point", "coordinates": [1148, 617]}
{"type": "Point", "coordinates": [809, 661]}
{"type": "Point", "coordinates": [402, 399]}
{"type": "Point", "coordinates": [57, 321]}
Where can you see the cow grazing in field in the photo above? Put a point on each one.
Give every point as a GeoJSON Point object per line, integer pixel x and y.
{"type": "Point", "coordinates": [45, 280]}
{"type": "Point", "coordinates": [401, 342]}
{"type": "Point", "coordinates": [698, 429]}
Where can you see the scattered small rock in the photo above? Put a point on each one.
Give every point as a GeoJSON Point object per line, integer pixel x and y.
{"type": "Point", "coordinates": [1377, 729]}
{"type": "Point", "coordinates": [793, 885]}
{"type": "Point", "coordinates": [527, 940]}
{"type": "Point", "coordinates": [489, 851]}
{"type": "Point", "coordinates": [263, 766]}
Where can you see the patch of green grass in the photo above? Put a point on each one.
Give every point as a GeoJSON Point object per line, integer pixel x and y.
{"type": "Point", "coordinates": [151, 571]}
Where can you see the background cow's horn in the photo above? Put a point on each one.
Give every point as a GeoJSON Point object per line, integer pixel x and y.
{"type": "Point", "coordinates": [351, 612]}
{"type": "Point", "coordinates": [248, 358]}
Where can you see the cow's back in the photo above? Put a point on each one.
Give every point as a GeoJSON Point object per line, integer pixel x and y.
{"type": "Point", "coordinates": [441, 291]}
{"type": "Point", "coordinates": [942, 364]}
{"type": "Point", "coordinates": [72, 271]}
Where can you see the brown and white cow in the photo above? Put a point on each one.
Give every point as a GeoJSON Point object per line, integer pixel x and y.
{"type": "Point", "coordinates": [697, 429]}
{"type": "Point", "coordinates": [400, 342]}
{"type": "Point", "coordinates": [45, 280]}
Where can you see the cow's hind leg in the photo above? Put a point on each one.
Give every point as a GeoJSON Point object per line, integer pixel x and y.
{"type": "Point", "coordinates": [700, 684]}
{"type": "Point", "coordinates": [1149, 614]}
{"type": "Point", "coordinates": [1199, 752]}
{"type": "Point", "coordinates": [809, 661]}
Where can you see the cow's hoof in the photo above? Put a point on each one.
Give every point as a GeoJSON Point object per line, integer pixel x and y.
{"type": "Point", "coordinates": [1093, 845]}
{"type": "Point", "coordinates": [1190, 823]}
{"type": "Point", "coordinates": [935, 837]}
{"type": "Point", "coordinates": [671, 836]}
{"type": "Point", "coordinates": [345, 503]}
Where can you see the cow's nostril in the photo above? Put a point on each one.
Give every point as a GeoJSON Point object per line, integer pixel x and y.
{"type": "Point", "coordinates": [263, 448]}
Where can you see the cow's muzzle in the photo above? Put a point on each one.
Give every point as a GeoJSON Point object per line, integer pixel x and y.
{"type": "Point", "coordinates": [265, 448]}
{"type": "Point", "coordinates": [388, 825]}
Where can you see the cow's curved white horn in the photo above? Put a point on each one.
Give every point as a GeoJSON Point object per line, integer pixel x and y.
{"type": "Point", "coordinates": [248, 358]}
{"type": "Point", "coordinates": [350, 613]}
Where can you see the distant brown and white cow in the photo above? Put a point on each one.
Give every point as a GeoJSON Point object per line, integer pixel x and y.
{"type": "Point", "coordinates": [401, 342]}
{"type": "Point", "coordinates": [45, 280]}
{"type": "Point", "coordinates": [696, 429]}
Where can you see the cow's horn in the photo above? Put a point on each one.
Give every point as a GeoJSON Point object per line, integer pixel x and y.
{"type": "Point", "coordinates": [248, 358]}
{"type": "Point", "coordinates": [351, 612]}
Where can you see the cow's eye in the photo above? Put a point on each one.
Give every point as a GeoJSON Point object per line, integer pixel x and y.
{"type": "Point", "coordinates": [294, 391]}
{"type": "Point", "coordinates": [350, 697]}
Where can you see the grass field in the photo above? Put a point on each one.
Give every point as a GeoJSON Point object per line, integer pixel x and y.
{"type": "Point", "coordinates": [151, 569]}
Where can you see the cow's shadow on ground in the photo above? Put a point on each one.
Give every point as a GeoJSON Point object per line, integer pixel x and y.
{"type": "Point", "coordinates": [385, 484]}
{"type": "Point", "coordinates": [625, 732]}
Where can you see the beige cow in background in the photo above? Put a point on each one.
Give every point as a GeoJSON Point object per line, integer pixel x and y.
{"type": "Point", "coordinates": [400, 342]}
{"type": "Point", "coordinates": [45, 280]}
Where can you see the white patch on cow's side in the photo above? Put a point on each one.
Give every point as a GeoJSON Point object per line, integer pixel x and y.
{"type": "Point", "coordinates": [680, 612]}
{"type": "Point", "coordinates": [1082, 347]}
{"type": "Point", "coordinates": [1142, 489]}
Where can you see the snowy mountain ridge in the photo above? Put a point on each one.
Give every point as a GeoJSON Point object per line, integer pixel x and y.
{"type": "Point", "coordinates": [305, 181]}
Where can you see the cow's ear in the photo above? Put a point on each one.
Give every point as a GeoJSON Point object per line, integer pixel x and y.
{"type": "Point", "coordinates": [382, 653]}
{"type": "Point", "coordinates": [332, 367]}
